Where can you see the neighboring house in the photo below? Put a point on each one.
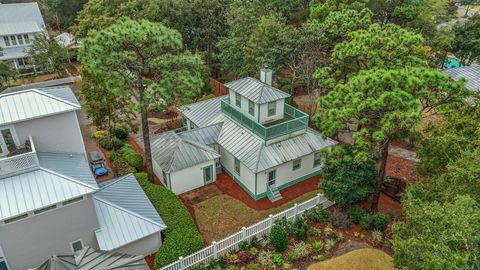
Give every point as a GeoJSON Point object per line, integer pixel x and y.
{"type": "Point", "coordinates": [50, 202]}
{"type": "Point", "coordinates": [264, 144]}
{"type": "Point", "coordinates": [91, 259]}
{"type": "Point", "coordinates": [19, 24]}
{"type": "Point", "coordinates": [470, 73]}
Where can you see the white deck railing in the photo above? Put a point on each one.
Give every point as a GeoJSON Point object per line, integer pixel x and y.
{"type": "Point", "coordinates": [231, 242]}
{"type": "Point", "coordinates": [19, 163]}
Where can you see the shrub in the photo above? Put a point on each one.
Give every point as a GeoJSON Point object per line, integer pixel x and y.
{"type": "Point", "coordinates": [243, 245]}
{"type": "Point", "coordinates": [318, 214]}
{"type": "Point", "coordinates": [300, 249]}
{"type": "Point", "coordinates": [315, 231]}
{"type": "Point", "coordinates": [319, 257]}
{"type": "Point", "coordinates": [265, 259]}
{"type": "Point", "coordinates": [329, 244]}
{"type": "Point", "coordinates": [120, 133]}
{"type": "Point", "coordinates": [317, 246]}
{"type": "Point", "coordinates": [339, 237]}
{"type": "Point", "coordinates": [279, 237]}
{"type": "Point", "coordinates": [292, 257]}
{"type": "Point", "coordinates": [340, 220]}
{"type": "Point", "coordinates": [328, 231]}
{"type": "Point", "coordinates": [285, 224]}
{"type": "Point", "coordinates": [380, 221]}
{"type": "Point", "coordinates": [99, 134]}
{"type": "Point", "coordinates": [231, 258]}
{"type": "Point", "coordinates": [376, 237]}
{"type": "Point", "coordinates": [254, 241]}
{"type": "Point", "coordinates": [135, 160]}
{"type": "Point", "coordinates": [121, 167]}
{"type": "Point", "coordinates": [114, 155]}
{"type": "Point", "coordinates": [277, 259]}
{"type": "Point", "coordinates": [355, 213]}
{"type": "Point", "coordinates": [118, 144]}
{"type": "Point", "coordinates": [106, 143]}
{"type": "Point", "coordinates": [200, 267]}
{"type": "Point", "coordinates": [366, 222]}
{"type": "Point", "coordinates": [299, 228]}
{"type": "Point", "coordinates": [182, 237]}
{"type": "Point", "coordinates": [252, 266]}
{"type": "Point", "coordinates": [253, 251]}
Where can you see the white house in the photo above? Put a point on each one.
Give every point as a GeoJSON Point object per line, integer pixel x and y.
{"type": "Point", "coordinates": [19, 24]}
{"type": "Point", "coordinates": [50, 202]}
{"type": "Point", "coordinates": [264, 144]}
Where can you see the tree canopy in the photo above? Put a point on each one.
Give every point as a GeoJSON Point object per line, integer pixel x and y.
{"type": "Point", "coordinates": [145, 62]}
{"type": "Point", "coordinates": [48, 55]}
{"type": "Point", "coordinates": [466, 44]}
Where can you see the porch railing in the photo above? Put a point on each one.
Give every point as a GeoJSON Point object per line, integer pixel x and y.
{"type": "Point", "coordinates": [217, 249]}
{"type": "Point", "coordinates": [19, 163]}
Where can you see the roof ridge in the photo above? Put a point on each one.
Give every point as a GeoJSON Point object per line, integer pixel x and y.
{"type": "Point", "coordinates": [203, 147]}
{"type": "Point", "coordinates": [112, 182]}
{"type": "Point", "coordinates": [68, 178]}
{"type": "Point", "coordinates": [40, 92]}
{"type": "Point", "coordinates": [128, 211]}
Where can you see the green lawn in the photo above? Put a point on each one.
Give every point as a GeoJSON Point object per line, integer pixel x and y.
{"type": "Point", "coordinates": [360, 259]}
{"type": "Point", "coordinates": [223, 215]}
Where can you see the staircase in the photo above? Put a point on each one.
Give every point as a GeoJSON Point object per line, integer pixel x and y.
{"type": "Point", "coordinates": [273, 193]}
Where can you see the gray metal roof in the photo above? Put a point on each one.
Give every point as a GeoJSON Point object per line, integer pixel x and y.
{"type": "Point", "coordinates": [91, 259]}
{"type": "Point", "coordinates": [470, 73]}
{"type": "Point", "coordinates": [21, 12]}
{"type": "Point", "coordinates": [203, 113]}
{"type": "Point", "coordinates": [206, 135]}
{"type": "Point", "coordinates": [256, 90]}
{"type": "Point", "coordinates": [13, 53]}
{"type": "Point", "coordinates": [37, 189]}
{"type": "Point", "coordinates": [173, 153]}
{"type": "Point", "coordinates": [119, 227]}
{"type": "Point", "coordinates": [255, 155]}
{"type": "Point", "coordinates": [127, 193]}
{"type": "Point", "coordinates": [62, 92]}
{"type": "Point", "coordinates": [29, 104]}
{"type": "Point", "coordinates": [71, 165]}
{"type": "Point", "coordinates": [41, 85]}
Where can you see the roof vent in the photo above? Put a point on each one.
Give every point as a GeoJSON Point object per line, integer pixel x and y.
{"type": "Point", "coordinates": [266, 75]}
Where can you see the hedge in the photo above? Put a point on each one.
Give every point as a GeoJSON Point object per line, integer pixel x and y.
{"type": "Point", "coordinates": [182, 237]}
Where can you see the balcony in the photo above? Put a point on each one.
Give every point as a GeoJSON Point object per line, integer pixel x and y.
{"type": "Point", "coordinates": [294, 120]}
{"type": "Point", "coordinates": [24, 159]}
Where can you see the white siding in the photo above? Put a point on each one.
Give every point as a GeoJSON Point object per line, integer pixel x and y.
{"type": "Point", "coordinates": [56, 133]}
{"type": "Point", "coordinates": [190, 178]}
{"type": "Point", "coordinates": [280, 105]}
{"type": "Point", "coordinates": [145, 246]}
{"type": "Point", "coordinates": [285, 174]}
{"type": "Point", "coordinates": [29, 242]}
{"type": "Point", "coordinates": [246, 177]}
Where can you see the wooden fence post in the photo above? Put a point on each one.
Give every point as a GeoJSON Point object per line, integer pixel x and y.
{"type": "Point", "coordinates": [182, 262]}
{"type": "Point", "coordinates": [270, 222]}
{"type": "Point", "coordinates": [244, 233]}
{"type": "Point", "coordinates": [215, 249]}
{"type": "Point", "coordinates": [295, 211]}
{"type": "Point", "coordinates": [318, 198]}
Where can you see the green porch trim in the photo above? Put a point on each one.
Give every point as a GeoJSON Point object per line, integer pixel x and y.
{"type": "Point", "coordinates": [264, 194]}
{"type": "Point", "coordinates": [239, 183]}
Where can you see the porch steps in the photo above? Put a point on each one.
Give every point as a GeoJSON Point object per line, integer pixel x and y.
{"type": "Point", "coordinates": [275, 195]}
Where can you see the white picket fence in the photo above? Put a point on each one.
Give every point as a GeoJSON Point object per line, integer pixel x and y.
{"type": "Point", "coordinates": [259, 229]}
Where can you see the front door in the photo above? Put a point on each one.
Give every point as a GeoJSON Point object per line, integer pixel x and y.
{"type": "Point", "coordinates": [7, 141]}
{"type": "Point", "coordinates": [272, 176]}
{"type": "Point", "coordinates": [208, 175]}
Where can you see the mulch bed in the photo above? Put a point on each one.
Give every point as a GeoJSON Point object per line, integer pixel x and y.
{"type": "Point", "coordinates": [401, 168]}
{"type": "Point", "coordinates": [228, 186]}
{"type": "Point", "coordinates": [168, 114]}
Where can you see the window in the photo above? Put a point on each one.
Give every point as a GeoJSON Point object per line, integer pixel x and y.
{"type": "Point", "coordinates": [20, 39]}
{"type": "Point", "coordinates": [272, 108]}
{"type": "Point", "coordinates": [237, 166]}
{"type": "Point", "coordinates": [251, 108]}
{"type": "Point", "coordinates": [272, 176]}
{"type": "Point", "coordinates": [7, 41]}
{"type": "Point", "coordinates": [238, 100]}
{"type": "Point", "coordinates": [26, 38]}
{"type": "Point", "coordinates": [76, 245]}
{"type": "Point", "coordinates": [317, 159]}
{"type": "Point", "coordinates": [207, 174]}
{"type": "Point", "coordinates": [13, 40]}
{"type": "Point", "coordinates": [297, 164]}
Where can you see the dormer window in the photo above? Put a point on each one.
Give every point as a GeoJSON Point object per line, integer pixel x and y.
{"type": "Point", "coordinates": [238, 100]}
{"type": "Point", "coordinates": [251, 108]}
{"type": "Point", "coordinates": [272, 108]}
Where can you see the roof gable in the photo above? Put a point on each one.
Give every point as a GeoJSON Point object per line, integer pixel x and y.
{"type": "Point", "coordinates": [256, 90]}
{"type": "Point", "coordinates": [30, 104]}
{"type": "Point", "coordinates": [173, 153]}
{"type": "Point", "coordinates": [37, 189]}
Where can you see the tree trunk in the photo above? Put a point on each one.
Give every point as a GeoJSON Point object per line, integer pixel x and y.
{"type": "Point", "coordinates": [466, 11]}
{"type": "Point", "coordinates": [381, 176]}
{"type": "Point", "coordinates": [147, 146]}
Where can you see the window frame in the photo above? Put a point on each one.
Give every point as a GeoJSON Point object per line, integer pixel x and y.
{"type": "Point", "coordinates": [274, 179]}
{"type": "Point", "coordinates": [26, 38]}
{"type": "Point", "coordinates": [74, 242]}
{"type": "Point", "coordinates": [271, 111]}
{"type": "Point", "coordinates": [317, 161]}
{"type": "Point", "coordinates": [238, 100]}
{"type": "Point", "coordinates": [20, 39]}
{"type": "Point", "coordinates": [6, 40]}
{"type": "Point", "coordinates": [296, 166]}
{"type": "Point", "coordinates": [236, 162]}
{"type": "Point", "coordinates": [251, 107]}
{"type": "Point", "coordinates": [13, 40]}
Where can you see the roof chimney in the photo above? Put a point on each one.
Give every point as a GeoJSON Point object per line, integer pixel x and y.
{"type": "Point", "coordinates": [266, 75]}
